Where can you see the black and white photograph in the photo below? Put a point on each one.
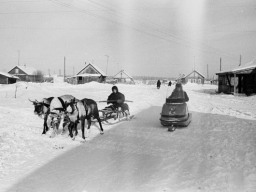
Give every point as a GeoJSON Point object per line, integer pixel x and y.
{"type": "Point", "coordinates": [127, 95]}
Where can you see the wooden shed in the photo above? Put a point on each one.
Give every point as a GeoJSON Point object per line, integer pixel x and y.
{"type": "Point", "coordinates": [6, 78]}
{"type": "Point", "coordinates": [239, 80]}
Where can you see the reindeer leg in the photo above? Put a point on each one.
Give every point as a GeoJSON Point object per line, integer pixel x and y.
{"type": "Point", "coordinates": [46, 128]}
{"type": "Point", "coordinates": [75, 130]}
{"type": "Point", "coordinates": [82, 127]}
{"type": "Point", "coordinates": [75, 126]}
{"type": "Point", "coordinates": [89, 122]}
{"type": "Point", "coordinates": [70, 129]}
{"type": "Point", "coordinates": [101, 129]}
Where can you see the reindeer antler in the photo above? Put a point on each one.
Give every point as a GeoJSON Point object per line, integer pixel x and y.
{"type": "Point", "coordinates": [33, 101]}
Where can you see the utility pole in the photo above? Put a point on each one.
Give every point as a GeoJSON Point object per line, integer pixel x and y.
{"type": "Point", "coordinates": [73, 71]}
{"type": "Point", "coordinates": [18, 57]}
{"type": "Point", "coordinates": [240, 62]}
{"type": "Point", "coordinates": [64, 69]}
{"type": "Point", "coordinates": [194, 63]}
{"type": "Point", "coordinates": [194, 68]}
{"type": "Point", "coordinates": [220, 64]}
{"type": "Point", "coordinates": [207, 72]}
{"type": "Point", "coordinates": [107, 64]}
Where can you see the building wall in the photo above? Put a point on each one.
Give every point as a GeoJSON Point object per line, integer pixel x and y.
{"type": "Point", "coordinates": [6, 80]}
{"type": "Point", "coordinates": [3, 79]}
{"type": "Point", "coordinates": [198, 80]}
{"type": "Point", "coordinates": [82, 80]}
{"type": "Point", "coordinates": [249, 84]}
{"type": "Point", "coordinates": [16, 71]}
{"type": "Point", "coordinates": [22, 75]}
{"type": "Point", "coordinates": [195, 78]}
{"type": "Point", "coordinates": [89, 69]}
{"type": "Point", "coordinates": [223, 86]}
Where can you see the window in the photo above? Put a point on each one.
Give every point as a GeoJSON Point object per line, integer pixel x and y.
{"type": "Point", "coordinates": [16, 71]}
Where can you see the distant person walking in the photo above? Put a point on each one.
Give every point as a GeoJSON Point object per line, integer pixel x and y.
{"type": "Point", "coordinates": [158, 84]}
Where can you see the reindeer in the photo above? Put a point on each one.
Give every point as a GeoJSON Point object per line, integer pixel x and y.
{"type": "Point", "coordinates": [85, 109]}
{"type": "Point", "coordinates": [58, 108]}
{"type": "Point", "coordinates": [52, 107]}
{"type": "Point", "coordinates": [42, 110]}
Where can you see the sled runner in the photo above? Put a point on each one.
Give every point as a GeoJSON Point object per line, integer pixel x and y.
{"type": "Point", "coordinates": [107, 114]}
{"type": "Point", "coordinates": [175, 114]}
{"type": "Point", "coordinates": [114, 114]}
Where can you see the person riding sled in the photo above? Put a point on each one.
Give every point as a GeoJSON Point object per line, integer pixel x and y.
{"type": "Point", "coordinates": [178, 95]}
{"type": "Point", "coordinates": [117, 101]}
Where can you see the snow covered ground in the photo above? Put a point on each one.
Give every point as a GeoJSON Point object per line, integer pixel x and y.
{"type": "Point", "coordinates": [217, 152]}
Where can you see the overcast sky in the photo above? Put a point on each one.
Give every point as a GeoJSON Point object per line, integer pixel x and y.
{"type": "Point", "coordinates": [144, 37]}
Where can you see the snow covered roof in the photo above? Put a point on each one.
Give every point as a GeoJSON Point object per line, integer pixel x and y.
{"type": "Point", "coordinates": [243, 68]}
{"type": "Point", "coordinates": [27, 70]}
{"type": "Point", "coordinates": [96, 69]}
{"type": "Point", "coordinates": [248, 66]}
{"type": "Point", "coordinates": [88, 75]}
{"type": "Point", "coordinates": [85, 75]}
{"type": "Point", "coordinates": [8, 75]}
{"type": "Point", "coordinates": [120, 74]}
{"type": "Point", "coordinates": [194, 71]}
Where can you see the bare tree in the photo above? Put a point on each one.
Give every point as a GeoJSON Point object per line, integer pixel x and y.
{"type": "Point", "coordinates": [38, 76]}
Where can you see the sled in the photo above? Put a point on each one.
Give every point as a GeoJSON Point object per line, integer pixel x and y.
{"type": "Point", "coordinates": [175, 114]}
{"type": "Point", "coordinates": [112, 116]}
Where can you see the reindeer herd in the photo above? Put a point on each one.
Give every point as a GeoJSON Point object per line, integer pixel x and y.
{"type": "Point", "coordinates": [67, 111]}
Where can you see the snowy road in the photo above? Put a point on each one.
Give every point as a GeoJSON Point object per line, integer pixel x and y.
{"type": "Point", "coordinates": [213, 154]}
{"type": "Point", "coordinates": [217, 152]}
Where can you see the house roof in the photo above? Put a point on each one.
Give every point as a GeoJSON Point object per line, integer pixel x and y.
{"type": "Point", "coordinates": [243, 68]}
{"type": "Point", "coordinates": [194, 71]}
{"type": "Point", "coordinates": [248, 66]}
{"type": "Point", "coordinates": [27, 70]}
{"type": "Point", "coordinates": [122, 72]}
{"type": "Point", "coordinates": [88, 75]}
{"type": "Point", "coordinates": [96, 69]}
{"type": "Point", "coordinates": [8, 75]}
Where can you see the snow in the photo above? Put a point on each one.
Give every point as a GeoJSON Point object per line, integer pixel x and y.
{"type": "Point", "coordinates": [8, 75]}
{"type": "Point", "coordinates": [217, 152]}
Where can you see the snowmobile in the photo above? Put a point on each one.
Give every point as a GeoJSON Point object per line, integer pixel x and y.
{"type": "Point", "coordinates": [175, 114]}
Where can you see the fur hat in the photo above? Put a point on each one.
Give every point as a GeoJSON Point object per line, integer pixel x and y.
{"type": "Point", "coordinates": [115, 88]}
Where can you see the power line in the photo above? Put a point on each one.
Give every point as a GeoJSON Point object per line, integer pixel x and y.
{"type": "Point", "coordinates": [26, 1]}
{"type": "Point", "coordinates": [178, 39]}
{"type": "Point", "coordinates": [35, 12]}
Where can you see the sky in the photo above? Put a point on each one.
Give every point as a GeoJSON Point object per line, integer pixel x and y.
{"type": "Point", "coordinates": [144, 37]}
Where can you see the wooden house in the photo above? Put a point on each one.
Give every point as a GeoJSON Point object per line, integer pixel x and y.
{"type": "Point", "coordinates": [239, 80]}
{"type": "Point", "coordinates": [123, 77]}
{"type": "Point", "coordinates": [194, 77]}
{"type": "Point", "coordinates": [24, 73]}
{"type": "Point", "coordinates": [89, 73]}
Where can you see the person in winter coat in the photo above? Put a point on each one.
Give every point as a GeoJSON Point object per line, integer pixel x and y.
{"type": "Point", "coordinates": [117, 99]}
{"type": "Point", "coordinates": [158, 84]}
{"type": "Point", "coordinates": [178, 95]}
